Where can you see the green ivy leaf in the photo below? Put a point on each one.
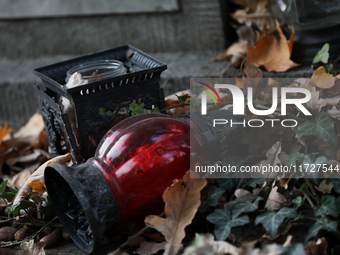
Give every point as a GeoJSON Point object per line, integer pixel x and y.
{"type": "Point", "coordinates": [223, 223]}
{"type": "Point", "coordinates": [102, 111]}
{"type": "Point", "coordinates": [228, 184]}
{"type": "Point", "coordinates": [297, 156]}
{"type": "Point", "coordinates": [329, 206]}
{"type": "Point", "coordinates": [3, 187]}
{"type": "Point", "coordinates": [155, 110]}
{"type": "Point", "coordinates": [214, 195]}
{"type": "Point", "coordinates": [9, 196]}
{"type": "Point", "coordinates": [298, 202]}
{"type": "Point", "coordinates": [136, 108]}
{"type": "Point", "coordinates": [322, 54]}
{"type": "Point", "coordinates": [322, 128]}
{"type": "Point", "coordinates": [310, 167]}
{"type": "Point", "coordinates": [295, 249]}
{"type": "Point", "coordinates": [336, 184]}
{"type": "Point", "coordinates": [23, 204]}
{"type": "Point", "coordinates": [253, 182]}
{"type": "Point", "coordinates": [304, 186]}
{"type": "Point", "coordinates": [330, 69]}
{"type": "Point", "coordinates": [245, 207]}
{"type": "Point", "coordinates": [323, 223]}
{"type": "Point", "coordinates": [183, 98]}
{"type": "Point", "coordinates": [203, 206]}
{"type": "Point", "coordinates": [271, 221]}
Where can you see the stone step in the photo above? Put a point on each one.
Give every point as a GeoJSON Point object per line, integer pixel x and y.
{"type": "Point", "coordinates": [18, 102]}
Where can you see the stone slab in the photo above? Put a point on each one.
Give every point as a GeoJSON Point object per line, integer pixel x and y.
{"type": "Point", "coordinates": [196, 27]}
{"type": "Point", "coordinates": [22, 9]}
{"type": "Point", "coordinates": [18, 101]}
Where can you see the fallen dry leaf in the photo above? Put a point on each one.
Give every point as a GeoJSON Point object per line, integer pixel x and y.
{"type": "Point", "coordinates": [38, 186]}
{"type": "Point", "coordinates": [331, 101]}
{"type": "Point", "coordinates": [181, 205]}
{"type": "Point", "coordinates": [288, 241]}
{"type": "Point", "coordinates": [272, 53]}
{"type": "Point", "coordinates": [324, 187]}
{"type": "Point", "coordinates": [335, 90]}
{"type": "Point", "coordinates": [19, 179]}
{"type": "Point", "coordinates": [272, 160]}
{"type": "Point", "coordinates": [148, 248]}
{"type": "Point", "coordinates": [318, 248]}
{"type": "Point", "coordinates": [33, 127]}
{"type": "Point", "coordinates": [210, 246]}
{"type": "Point", "coordinates": [4, 131]}
{"type": "Point", "coordinates": [30, 248]}
{"type": "Point", "coordinates": [322, 79]}
{"type": "Point", "coordinates": [256, 13]}
{"type": "Point", "coordinates": [255, 75]}
{"type": "Point", "coordinates": [38, 175]}
{"type": "Point", "coordinates": [251, 4]}
{"type": "Point", "coordinates": [315, 103]}
{"type": "Point", "coordinates": [242, 195]}
{"type": "Point", "coordinates": [334, 113]}
{"type": "Point", "coordinates": [275, 200]}
{"type": "Point", "coordinates": [271, 249]}
{"type": "Point", "coordinates": [238, 48]}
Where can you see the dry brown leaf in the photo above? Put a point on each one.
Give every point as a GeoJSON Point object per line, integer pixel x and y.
{"type": "Point", "coordinates": [154, 236]}
{"type": "Point", "coordinates": [210, 246]}
{"type": "Point", "coordinates": [322, 79]}
{"type": "Point", "coordinates": [285, 181]}
{"type": "Point", "coordinates": [318, 248]}
{"type": "Point", "coordinates": [251, 4]}
{"type": "Point", "coordinates": [257, 14]}
{"type": "Point", "coordinates": [242, 195]}
{"type": "Point", "coordinates": [315, 103]}
{"type": "Point", "coordinates": [4, 131]}
{"type": "Point", "coordinates": [30, 248]}
{"type": "Point", "coordinates": [237, 48]}
{"type": "Point", "coordinates": [275, 200]}
{"type": "Point", "coordinates": [38, 186]}
{"type": "Point", "coordinates": [247, 35]}
{"type": "Point", "coordinates": [324, 187]}
{"type": "Point", "coordinates": [24, 158]}
{"type": "Point", "coordinates": [148, 248]}
{"type": "Point", "coordinates": [181, 205]}
{"type": "Point", "coordinates": [272, 249]}
{"type": "Point", "coordinates": [331, 101]}
{"type": "Point", "coordinates": [284, 157]}
{"type": "Point", "coordinates": [335, 90]}
{"type": "Point", "coordinates": [255, 74]}
{"type": "Point", "coordinates": [38, 175]}
{"type": "Point", "coordinates": [272, 159]}
{"type": "Point", "coordinates": [19, 179]}
{"type": "Point", "coordinates": [272, 53]}
{"type": "Point", "coordinates": [33, 127]}
{"type": "Point", "coordinates": [288, 241]}
{"type": "Point", "coordinates": [334, 113]}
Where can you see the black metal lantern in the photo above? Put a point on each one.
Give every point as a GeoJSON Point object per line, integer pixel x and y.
{"type": "Point", "coordinates": [316, 22]}
{"type": "Point", "coordinates": [99, 104]}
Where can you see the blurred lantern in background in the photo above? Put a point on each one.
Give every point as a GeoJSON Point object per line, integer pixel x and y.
{"type": "Point", "coordinates": [316, 22]}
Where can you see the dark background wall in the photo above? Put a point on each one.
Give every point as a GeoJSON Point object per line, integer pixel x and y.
{"type": "Point", "coordinates": [197, 25]}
